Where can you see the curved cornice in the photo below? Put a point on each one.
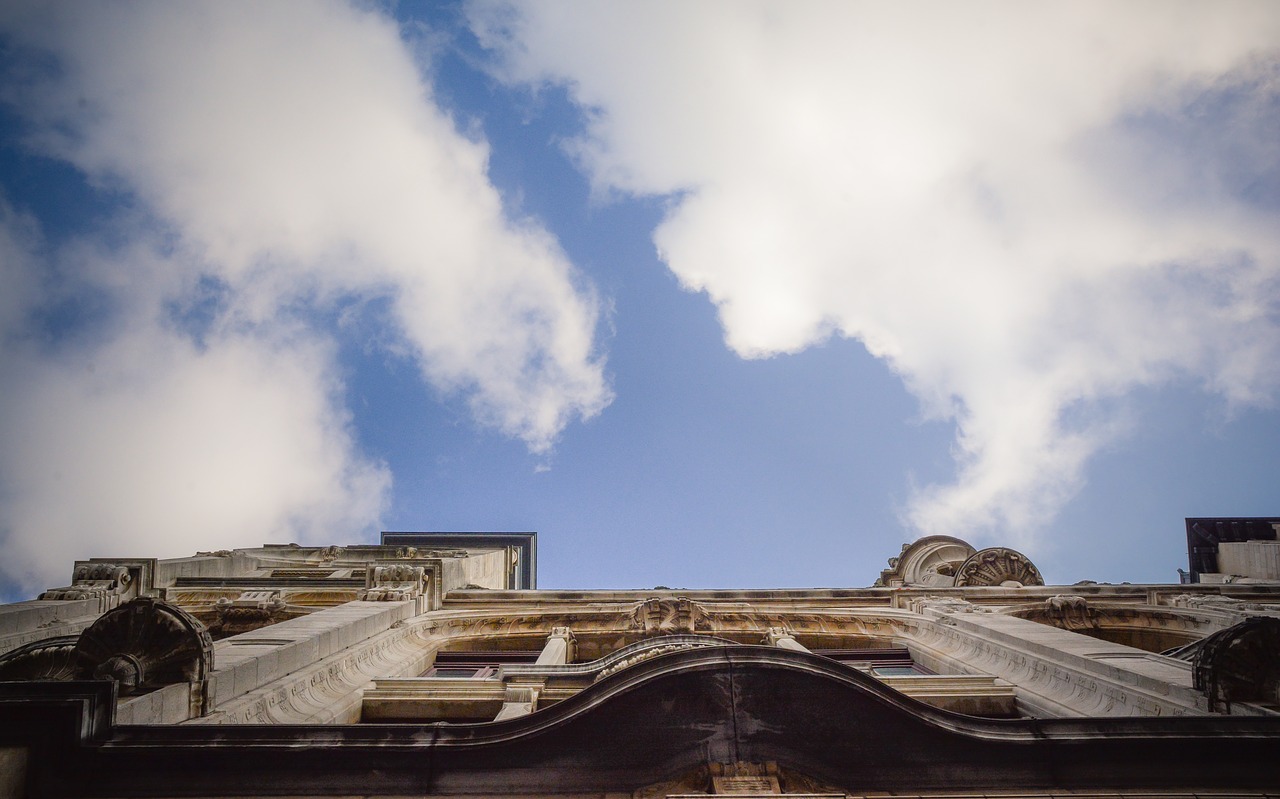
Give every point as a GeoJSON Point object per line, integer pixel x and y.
{"type": "Point", "coordinates": [678, 711]}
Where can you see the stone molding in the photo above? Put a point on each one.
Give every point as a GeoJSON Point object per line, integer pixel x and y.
{"type": "Point", "coordinates": [872, 741]}
{"type": "Point", "coordinates": [1053, 681]}
{"type": "Point", "coordinates": [330, 690]}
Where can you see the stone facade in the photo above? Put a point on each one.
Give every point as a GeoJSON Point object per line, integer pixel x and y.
{"type": "Point", "coordinates": [430, 664]}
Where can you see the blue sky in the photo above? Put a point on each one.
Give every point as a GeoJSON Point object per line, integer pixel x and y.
{"type": "Point", "coordinates": [709, 295]}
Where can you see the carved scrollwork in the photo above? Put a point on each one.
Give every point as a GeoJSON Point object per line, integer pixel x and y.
{"type": "Point", "coordinates": [998, 566]}
{"type": "Point", "coordinates": [93, 581]}
{"type": "Point", "coordinates": [144, 644]}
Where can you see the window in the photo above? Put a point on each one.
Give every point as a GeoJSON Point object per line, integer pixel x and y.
{"type": "Point", "coordinates": [475, 665]}
{"type": "Point", "coordinates": [895, 662]}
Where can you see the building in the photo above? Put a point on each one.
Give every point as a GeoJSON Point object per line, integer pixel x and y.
{"type": "Point", "coordinates": [431, 664]}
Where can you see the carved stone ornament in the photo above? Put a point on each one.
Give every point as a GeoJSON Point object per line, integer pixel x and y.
{"type": "Point", "coordinates": [1240, 664]}
{"type": "Point", "coordinates": [996, 566]}
{"type": "Point", "coordinates": [413, 553]}
{"type": "Point", "coordinates": [49, 659]}
{"type": "Point", "coordinates": [331, 553]}
{"type": "Point", "coordinates": [930, 562]}
{"type": "Point", "coordinates": [658, 616]}
{"type": "Point", "coordinates": [1070, 613]}
{"type": "Point", "coordinates": [93, 581]}
{"type": "Point", "coordinates": [775, 634]}
{"type": "Point", "coordinates": [251, 610]}
{"type": "Point", "coordinates": [393, 583]}
{"type": "Point", "coordinates": [644, 655]}
{"type": "Point", "coordinates": [144, 644]}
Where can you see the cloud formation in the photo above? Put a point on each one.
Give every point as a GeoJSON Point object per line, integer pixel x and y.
{"type": "Point", "coordinates": [1027, 210]}
{"type": "Point", "coordinates": [171, 381]}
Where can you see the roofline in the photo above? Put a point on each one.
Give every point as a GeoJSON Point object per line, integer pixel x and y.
{"type": "Point", "coordinates": [526, 543]}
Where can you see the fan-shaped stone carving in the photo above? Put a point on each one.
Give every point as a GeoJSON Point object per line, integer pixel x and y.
{"type": "Point", "coordinates": [930, 561]}
{"type": "Point", "coordinates": [1240, 663]}
{"type": "Point", "coordinates": [144, 644]}
{"type": "Point", "coordinates": [49, 659]}
{"type": "Point", "coordinates": [998, 566]}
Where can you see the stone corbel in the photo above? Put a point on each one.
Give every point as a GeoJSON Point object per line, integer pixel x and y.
{"type": "Point", "coordinates": [1069, 612]}
{"type": "Point", "coordinates": [783, 638]}
{"type": "Point", "coordinates": [394, 583]}
{"type": "Point", "coordinates": [559, 648]}
{"type": "Point", "coordinates": [519, 699]}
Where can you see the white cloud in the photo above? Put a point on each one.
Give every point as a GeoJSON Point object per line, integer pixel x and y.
{"type": "Point", "coordinates": [298, 150]}
{"type": "Point", "coordinates": [1020, 207]}
{"type": "Point", "coordinates": [278, 158]}
{"type": "Point", "coordinates": [149, 445]}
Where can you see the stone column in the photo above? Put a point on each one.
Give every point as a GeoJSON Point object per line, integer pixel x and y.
{"type": "Point", "coordinates": [783, 638]}
{"type": "Point", "coordinates": [521, 697]}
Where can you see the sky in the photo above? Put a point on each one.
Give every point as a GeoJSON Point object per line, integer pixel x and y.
{"type": "Point", "coordinates": [720, 294]}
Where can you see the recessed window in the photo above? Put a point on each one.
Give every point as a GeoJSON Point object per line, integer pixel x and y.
{"type": "Point", "coordinates": [475, 665]}
{"type": "Point", "coordinates": [893, 662]}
